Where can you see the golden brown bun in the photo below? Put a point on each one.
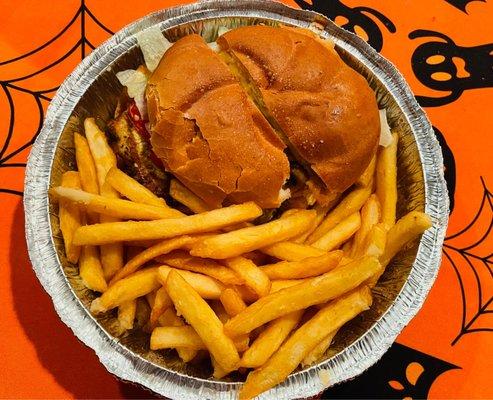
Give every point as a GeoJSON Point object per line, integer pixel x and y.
{"type": "Point", "coordinates": [326, 110]}
{"type": "Point", "coordinates": [208, 133]}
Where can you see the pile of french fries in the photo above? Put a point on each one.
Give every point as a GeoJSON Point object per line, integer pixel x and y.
{"type": "Point", "coordinates": [267, 297]}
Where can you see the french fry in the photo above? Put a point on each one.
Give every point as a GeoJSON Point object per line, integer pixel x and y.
{"type": "Point", "coordinates": [316, 354]}
{"type": "Point", "coordinates": [163, 229]}
{"type": "Point", "coordinates": [149, 254]}
{"type": "Point", "coordinates": [343, 231]}
{"type": "Point", "coordinates": [205, 322]}
{"type": "Point", "coordinates": [285, 283]}
{"type": "Point", "coordinates": [87, 170]}
{"type": "Point", "coordinates": [303, 340]}
{"type": "Point", "coordinates": [104, 160]}
{"type": "Point", "coordinates": [408, 228]}
{"type": "Point", "coordinates": [219, 372]}
{"type": "Point", "coordinates": [103, 156]}
{"type": "Point", "coordinates": [205, 286]}
{"type": "Point", "coordinates": [133, 190]}
{"type": "Point", "coordinates": [171, 337]}
{"type": "Point", "coordinates": [376, 241]}
{"type": "Point", "coordinates": [143, 243]}
{"type": "Point", "coordinates": [349, 205]}
{"type": "Point", "coordinates": [232, 244]}
{"type": "Point", "coordinates": [183, 260]}
{"type": "Point", "coordinates": [85, 165]}
{"type": "Point", "coordinates": [169, 318]}
{"type": "Point", "coordinates": [90, 269]}
{"type": "Point", "coordinates": [136, 285]}
{"type": "Point", "coordinates": [241, 342]}
{"type": "Point", "coordinates": [184, 196]}
{"type": "Point", "coordinates": [246, 293]}
{"type": "Point", "coordinates": [321, 213]}
{"type": "Point", "coordinates": [270, 340]}
{"type": "Point", "coordinates": [313, 291]}
{"type": "Point", "coordinates": [368, 176]}
{"type": "Point", "coordinates": [161, 303]}
{"type": "Point", "coordinates": [126, 314]}
{"type": "Point", "coordinates": [306, 268]}
{"type": "Point", "coordinates": [370, 215]}
{"type": "Point", "coordinates": [290, 251]}
{"type": "Point", "coordinates": [254, 277]}
{"type": "Point", "coordinates": [114, 207]}
{"type": "Point", "coordinates": [232, 301]}
{"type": "Point", "coordinates": [70, 218]}
{"type": "Point", "coordinates": [386, 181]}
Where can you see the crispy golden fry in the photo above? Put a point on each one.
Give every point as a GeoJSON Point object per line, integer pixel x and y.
{"type": "Point", "coordinates": [290, 251]}
{"type": "Point", "coordinates": [171, 337]}
{"type": "Point", "coordinates": [246, 294]}
{"type": "Point", "coordinates": [314, 291]}
{"type": "Point", "coordinates": [348, 245]}
{"type": "Point", "coordinates": [126, 314]}
{"type": "Point", "coordinates": [306, 268]}
{"type": "Point", "coordinates": [219, 372]}
{"type": "Point", "coordinates": [304, 339]}
{"type": "Point", "coordinates": [339, 233]}
{"type": "Point", "coordinates": [70, 218]}
{"type": "Point", "coordinates": [254, 277]}
{"type": "Point", "coordinates": [368, 176]}
{"type": "Point", "coordinates": [207, 287]}
{"type": "Point", "coordinates": [316, 354]}
{"type": "Point", "coordinates": [85, 165]}
{"type": "Point", "coordinates": [232, 244]}
{"type": "Point", "coordinates": [161, 303]}
{"type": "Point", "coordinates": [90, 269]}
{"type": "Point", "coordinates": [103, 156]}
{"type": "Point", "coordinates": [111, 254]}
{"type": "Point", "coordinates": [203, 319]}
{"type": "Point", "coordinates": [349, 205]}
{"type": "Point", "coordinates": [285, 283]}
{"type": "Point", "coordinates": [408, 228]}
{"type": "Point", "coordinates": [169, 318]}
{"type": "Point", "coordinates": [118, 208]}
{"type": "Point", "coordinates": [241, 342]}
{"type": "Point", "coordinates": [184, 196]}
{"type": "Point", "coordinates": [270, 340]}
{"type": "Point", "coordinates": [232, 302]}
{"type": "Point", "coordinates": [183, 260]}
{"type": "Point", "coordinates": [136, 285]}
{"type": "Point", "coordinates": [370, 215]}
{"type": "Point", "coordinates": [376, 241]}
{"type": "Point", "coordinates": [162, 229]}
{"type": "Point", "coordinates": [133, 190]}
{"type": "Point", "coordinates": [149, 254]}
{"type": "Point", "coordinates": [386, 181]}
{"type": "Point", "coordinates": [104, 160]}
{"type": "Point", "coordinates": [321, 213]}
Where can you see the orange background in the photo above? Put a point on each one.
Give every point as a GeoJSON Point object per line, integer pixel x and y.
{"type": "Point", "coordinates": [41, 358]}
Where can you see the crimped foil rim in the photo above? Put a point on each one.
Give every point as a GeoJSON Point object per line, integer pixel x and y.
{"type": "Point", "coordinates": [349, 363]}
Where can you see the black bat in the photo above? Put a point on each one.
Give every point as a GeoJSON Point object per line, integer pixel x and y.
{"type": "Point", "coordinates": [357, 16]}
{"type": "Point", "coordinates": [462, 4]}
{"type": "Point", "coordinates": [380, 381]}
{"type": "Point", "coordinates": [477, 61]}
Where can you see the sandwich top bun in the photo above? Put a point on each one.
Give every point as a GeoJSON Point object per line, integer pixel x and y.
{"type": "Point", "coordinates": [209, 133]}
{"type": "Point", "coordinates": [224, 123]}
{"type": "Point", "coordinates": [324, 110]}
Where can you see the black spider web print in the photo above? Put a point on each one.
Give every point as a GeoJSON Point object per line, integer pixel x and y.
{"type": "Point", "coordinates": [474, 263]}
{"type": "Point", "coordinates": [83, 45]}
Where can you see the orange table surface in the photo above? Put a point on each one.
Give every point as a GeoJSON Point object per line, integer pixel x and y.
{"type": "Point", "coordinates": [444, 48]}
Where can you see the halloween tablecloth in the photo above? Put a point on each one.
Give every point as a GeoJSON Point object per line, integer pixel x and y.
{"type": "Point", "coordinates": [444, 48]}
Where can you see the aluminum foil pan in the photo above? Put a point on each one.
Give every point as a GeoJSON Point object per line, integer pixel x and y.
{"type": "Point", "coordinates": [92, 90]}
